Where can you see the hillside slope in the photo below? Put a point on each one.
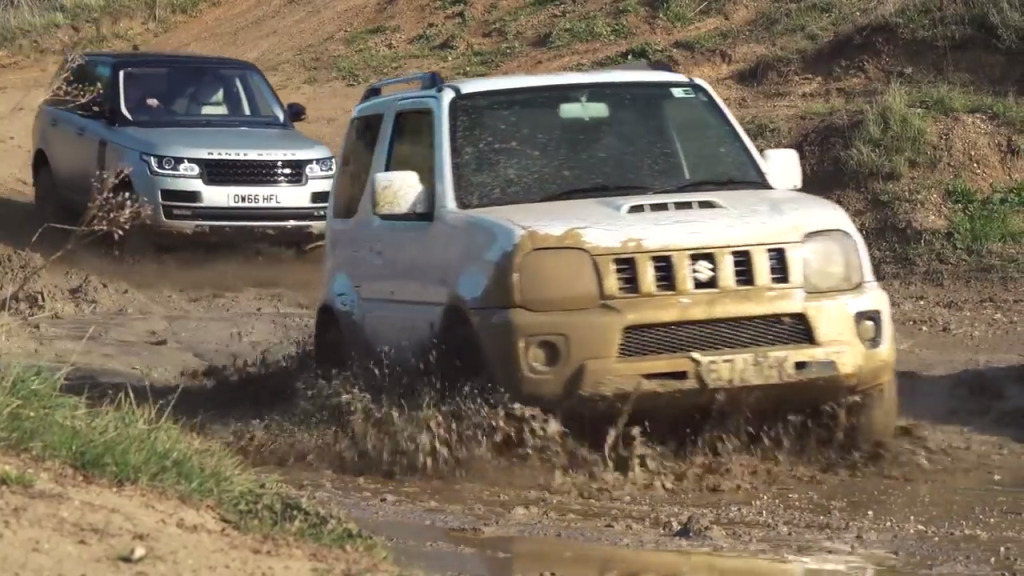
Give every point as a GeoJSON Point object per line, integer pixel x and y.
{"type": "Point", "coordinates": [905, 110]}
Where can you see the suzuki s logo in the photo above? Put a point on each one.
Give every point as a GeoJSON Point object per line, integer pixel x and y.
{"type": "Point", "coordinates": [703, 270]}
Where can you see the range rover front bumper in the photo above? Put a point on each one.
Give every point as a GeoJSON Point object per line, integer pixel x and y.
{"type": "Point", "coordinates": [689, 347]}
{"type": "Point", "coordinates": [188, 205]}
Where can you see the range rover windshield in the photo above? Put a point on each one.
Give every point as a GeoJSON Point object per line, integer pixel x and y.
{"type": "Point", "coordinates": [530, 145]}
{"type": "Point", "coordinates": [197, 95]}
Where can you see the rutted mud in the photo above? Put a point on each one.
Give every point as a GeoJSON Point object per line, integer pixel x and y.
{"type": "Point", "coordinates": [942, 498]}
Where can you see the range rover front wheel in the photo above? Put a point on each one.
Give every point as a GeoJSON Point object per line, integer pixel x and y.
{"type": "Point", "coordinates": [49, 207]}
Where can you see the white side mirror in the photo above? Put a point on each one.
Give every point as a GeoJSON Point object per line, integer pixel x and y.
{"type": "Point", "coordinates": [400, 193]}
{"type": "Point", "coordinates": [784, 168]}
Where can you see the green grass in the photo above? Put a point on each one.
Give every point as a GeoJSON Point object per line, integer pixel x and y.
{"type": "Point", "coordinates": [649, 51]}
{"type": "Point", "coordinates": [362, 62]}
{"type": "Point", "coordinates": [890, 140]}
{"type": "Point", "coordinates": [810, 21]}
{"type": "Point", "coordinates": [996, 23]}
{"type": "Point", "coordinates": [23, 21]}
{"type": "Point", "coordinates": [684, 12]}
{"type": "Point", "coordinates": [708, 40]}
{"type": "Point", "coordinates": [980, 222]}
{"type": "Point", "coordinates": [127, 444]}
{"type": "Point", "coordinates": [589, 28]}
{"type": "Point", "coordinates": [10, 477]}
{"type": "Point", "coordinates": [483, 61]}
{"type": "Point", "coordinates": [948, 99]}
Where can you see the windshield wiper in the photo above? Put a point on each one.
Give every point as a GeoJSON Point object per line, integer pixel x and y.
{"type": "Point", "coordinates": [595, 190]}
{"type": "Point", "coordinates": [720, 183]}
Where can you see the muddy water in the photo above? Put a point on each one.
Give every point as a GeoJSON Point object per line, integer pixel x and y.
{"type": "Point", "coordinates": [441, 551]}
{"type": "Point", "coordinates": [893, 525]}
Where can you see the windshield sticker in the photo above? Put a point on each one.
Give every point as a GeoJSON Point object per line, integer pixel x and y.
{"type": "Point", "coordinates": [683, 92]}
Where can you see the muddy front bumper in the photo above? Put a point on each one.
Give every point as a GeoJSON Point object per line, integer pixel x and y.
{"type": "Point", "coordinates": [689, 346]}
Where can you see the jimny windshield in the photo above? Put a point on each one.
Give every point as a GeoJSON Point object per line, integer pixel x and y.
{"type": "Point", "coordinates": [527, 145]}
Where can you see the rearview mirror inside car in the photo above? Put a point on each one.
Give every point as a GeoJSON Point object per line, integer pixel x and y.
{"type": "Point", "coordinates": [583, 110]}
{"type": "Point", "coordinates": [400, 195]}
{"type": "Point", "coordinates": [785, 171]}
{"type": "Point", "coordinates": [296, 112]}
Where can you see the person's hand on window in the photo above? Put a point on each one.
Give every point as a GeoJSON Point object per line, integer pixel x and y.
{"type": "Point", "coordinates": [153, 103]}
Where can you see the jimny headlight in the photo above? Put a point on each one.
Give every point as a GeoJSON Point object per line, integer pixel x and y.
{"type": "Point", "coordinates": [323, 168]}
{"type": "Point", "coordinates": [831, 262]}
{"type": "Point", "coordinates": [169, 166]}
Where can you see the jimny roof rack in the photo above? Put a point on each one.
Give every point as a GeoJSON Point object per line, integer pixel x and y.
{"type": "Point", "coordinates": [427, 81]}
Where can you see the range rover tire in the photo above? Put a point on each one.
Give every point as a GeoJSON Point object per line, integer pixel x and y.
{"type": "Point", "coordinates": [873, 420]}
{"type": "Point", "coordinates": [49, 207]}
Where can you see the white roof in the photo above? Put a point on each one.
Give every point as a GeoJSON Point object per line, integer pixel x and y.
{"type": "Point", "coordinates": [503, 82]}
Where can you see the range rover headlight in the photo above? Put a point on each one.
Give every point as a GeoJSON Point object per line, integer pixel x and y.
{"type": "Point", "coordinates": [170, 166]}
{"type": "Point", "coordinates": [322, 168]}
{"type": "Point", "coordinates": [558, 279]}
{"type": "Point", "coordinates": [831, 262]}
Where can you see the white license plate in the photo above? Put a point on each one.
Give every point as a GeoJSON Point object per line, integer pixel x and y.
{"type": "Point", "coordinates": [254, 199]}
{"type": "Point", "coordinates": [746, 370]}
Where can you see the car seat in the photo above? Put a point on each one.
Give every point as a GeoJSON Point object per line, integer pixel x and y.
{"type": "Point", "coordinates": [208, 98]}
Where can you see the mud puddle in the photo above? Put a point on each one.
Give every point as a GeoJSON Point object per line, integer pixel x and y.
{"type": "Point", "coordinates": [440, 551]}
{"type": "Point", "coordinates": [851, 524]}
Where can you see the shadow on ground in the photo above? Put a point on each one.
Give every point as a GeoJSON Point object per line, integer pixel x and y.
{"type": "Point", "coordinates": [18, 224]}
{"type": "Point", "coordinates": [243, 392]}
{"type": "Point", "coordinates": [986, 400]}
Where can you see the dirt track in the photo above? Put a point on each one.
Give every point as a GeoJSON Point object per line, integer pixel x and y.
{"type": "Point", "coordinates": [948, 497]}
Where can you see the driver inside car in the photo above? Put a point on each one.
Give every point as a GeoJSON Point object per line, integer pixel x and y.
{"type": "Point", "coordinates": [136, 99]}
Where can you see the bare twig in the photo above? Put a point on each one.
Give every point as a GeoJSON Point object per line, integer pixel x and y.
{"type": "Point", "coordinates": [71, 93]}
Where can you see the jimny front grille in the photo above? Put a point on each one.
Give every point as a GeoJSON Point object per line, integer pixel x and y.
{"type": "Point", "coordinates": [698, 271]}
{"type": "Point", "coordinates": [715, 335]}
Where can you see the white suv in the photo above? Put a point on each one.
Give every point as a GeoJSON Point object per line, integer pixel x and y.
{"type": "Point", "coordinates": [602, 234]}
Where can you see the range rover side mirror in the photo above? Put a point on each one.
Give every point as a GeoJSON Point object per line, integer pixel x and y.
{"type": "Point", "coordinates": [296, 112]}
{"type": "Point", "coordinates": [785, 171]}
{"type": "Point", "coordinates": [400, 195]}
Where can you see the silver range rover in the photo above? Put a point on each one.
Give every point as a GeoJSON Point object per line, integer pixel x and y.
{"type": "Point", "coordinates": [206, 142]}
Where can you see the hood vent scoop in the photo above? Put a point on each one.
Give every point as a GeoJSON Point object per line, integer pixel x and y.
{"type": "Point", "coordinates": [659, 206]}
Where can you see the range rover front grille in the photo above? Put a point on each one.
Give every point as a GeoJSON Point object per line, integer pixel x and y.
{"type": "Point", "coordinates": [253, 172]}
{"type": "Point", "coordinates": [715, 335]}
{"type": "Point", "coordinates": [700, 271]}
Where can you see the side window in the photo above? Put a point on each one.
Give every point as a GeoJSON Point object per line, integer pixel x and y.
{"type": "Point", "coordinates": [356, 161]}
{"type": "Point", "coordinates": [63, 86]}
{"type": "Point", "coordinates": [80, 86]}
{"type": "Point", "coordinates": [412, 145]}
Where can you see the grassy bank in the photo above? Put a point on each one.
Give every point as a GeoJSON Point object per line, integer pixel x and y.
{"type": "Point", "coordinates": [127, 444]}
{"type": "Point", "coordinates": [32, 24]}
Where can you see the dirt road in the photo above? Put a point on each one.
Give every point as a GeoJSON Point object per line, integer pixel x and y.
{"type": "Point", "coordinates": [465, 489]}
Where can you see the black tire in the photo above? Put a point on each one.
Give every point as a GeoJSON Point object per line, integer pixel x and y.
{"type": "Point", "coordinates": [49, 207]}
{"type": "Point", "coordinates": [330, 350]}
{"type": "Point", "coordinates": [872, 420]}
{"type": "Point", "coordinates": [458, 359]}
